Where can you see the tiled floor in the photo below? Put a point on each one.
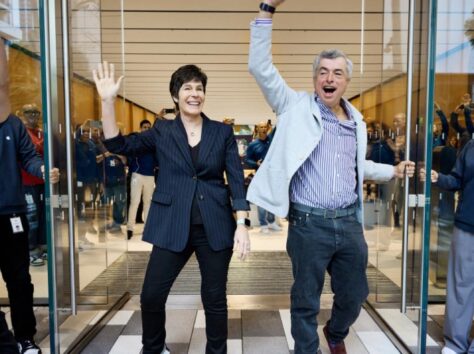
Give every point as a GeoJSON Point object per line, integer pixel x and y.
{"type": "Point", "coordinates": [256, 324]}
{"type": "Point", "coordinates": [251, 331]}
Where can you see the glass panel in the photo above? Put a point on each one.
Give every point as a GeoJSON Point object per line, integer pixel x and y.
{"type": "Point", "coordinates": [384, 109]}
{"type": "Point", "coordinates": [100, 179]}
{"type": "Point", "coordinates": [395, 211]}
{"type": "Point", "coordinates": [452, 124]}
{"type": "Point", "coordinates": [24, 64]}
{"type": "Point", "coordinates": [77, 151]}
{"type": "Point", "coordinates": [20, 25]}
{"type": "Point", "coordinates": [452, 129]}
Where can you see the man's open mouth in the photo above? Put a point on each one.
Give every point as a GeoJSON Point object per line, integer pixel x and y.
{"type": "Point", "coordinates": [329, 89]}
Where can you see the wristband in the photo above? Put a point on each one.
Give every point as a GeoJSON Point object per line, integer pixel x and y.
{"type": "Point", "coordinates": [241, 221]}
{"type": "Point", "coordinates": [267, 8]}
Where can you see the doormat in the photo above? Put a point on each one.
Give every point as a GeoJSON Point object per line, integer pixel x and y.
{"type": "Point", "coordinates": [262, 273]}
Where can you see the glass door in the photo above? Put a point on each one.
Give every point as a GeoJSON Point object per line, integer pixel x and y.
{"type": "Point", "coordinates": [19, 26]}
{"type": "Point", "coordinates": [452, 129]}
{"type": "Point", "coordinates": [87, 258]}
{"type": "Point", "coordinates": [452, 124]}
{"type": "Point", "coordinates": [397, 212]}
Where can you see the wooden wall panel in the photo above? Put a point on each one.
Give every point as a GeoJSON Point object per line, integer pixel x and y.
{"type": "Point", "coordinates": [25, 79]}
{"type": "Point", "coordinates": [138, 114]}
{"type": "Point", "coordinates": [83, 102]}
{"type": "Point", "coordinates": [383, 102]}
{"type": "Point", "coordinates": [356, 102]}
{"type": "Point", "coordinates": [123, 112]}
{"type": "Point", "coordinates": [150, 116]}
{"type": "Point", "coordinates": [449, 89]}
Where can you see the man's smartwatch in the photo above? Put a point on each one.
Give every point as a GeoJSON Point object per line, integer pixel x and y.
{"type": "Point", "coordinates": [267, 8]}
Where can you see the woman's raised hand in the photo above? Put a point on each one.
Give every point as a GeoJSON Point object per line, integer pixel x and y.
{"type": "Point", "coordinates": [104, 78]}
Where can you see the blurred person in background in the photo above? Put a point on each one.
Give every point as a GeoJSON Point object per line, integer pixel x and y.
{"type": "Point", "coordinates": [142, 183]}
{"type": "Point", "coordinates": [34, 189]}
{"type": "Point", "coordinates": [256, 152]}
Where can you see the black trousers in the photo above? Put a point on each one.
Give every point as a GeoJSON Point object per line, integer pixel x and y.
{"type": "Point", "coordinates": [163, 268]}
{"type": "Point", "coordinates": [14, 265]}
{"type": "Point", "coordinates": [7, 342]}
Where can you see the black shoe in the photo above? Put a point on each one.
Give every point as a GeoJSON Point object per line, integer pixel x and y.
{"type": "Point", "coordinates": [129, 234]}
{"type": "Point", "coordinates": [28, 347]}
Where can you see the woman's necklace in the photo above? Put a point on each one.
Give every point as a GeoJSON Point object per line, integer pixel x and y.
{"type": "Point", "coordinates": [194, 132]}
{"type": "Point", "coordinates": [193, 129]}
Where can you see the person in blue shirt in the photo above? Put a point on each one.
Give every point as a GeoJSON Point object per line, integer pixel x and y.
{"type": "Point", "coordinates": [460, 277]}
{"type": "Point", "coordinates": [464, 133]}
{"type": "Point", "coordinates": [440, 136]}
{"type": "Point", "coordinates": [87, 157]}
{"type": "Point", "coordinates": [256, 152]}
{"type": "Point", "coordinates": [142, 182]}
{"type": "Point", "coordinates": [377, 147]}
{"type": "Point", "coordinates": [378, 151]}
{"type": "Point", "coordinates": [115, 189]}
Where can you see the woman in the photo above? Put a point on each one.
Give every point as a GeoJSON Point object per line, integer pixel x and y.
{"type": "Point", "coordinates": [460, 283]}
{"type": "Point", "coordinates": [191, 210]}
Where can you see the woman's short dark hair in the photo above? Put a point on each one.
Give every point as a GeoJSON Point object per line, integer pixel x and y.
{"type": "Point", "coordinates": [185, 74]}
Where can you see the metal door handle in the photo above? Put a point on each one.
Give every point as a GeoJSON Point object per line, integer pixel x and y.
{"type": "Point", "coordinates": [70, 157]}
{"type": "Point", "coordinates": [403, 307]}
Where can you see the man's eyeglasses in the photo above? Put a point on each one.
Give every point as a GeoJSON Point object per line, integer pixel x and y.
{"type": "Point", "coordinates": [33, 113]}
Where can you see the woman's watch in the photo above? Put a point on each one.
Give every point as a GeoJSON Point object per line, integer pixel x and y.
{"type": "Point", "coordinates": [243, 221]}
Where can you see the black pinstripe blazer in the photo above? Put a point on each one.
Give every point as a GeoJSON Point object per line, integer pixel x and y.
{"type": "Point", "coordinates": [177, 182]}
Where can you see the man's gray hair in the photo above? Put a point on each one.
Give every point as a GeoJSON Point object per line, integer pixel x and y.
{"type": "Point", "coordinates": [332, 54]}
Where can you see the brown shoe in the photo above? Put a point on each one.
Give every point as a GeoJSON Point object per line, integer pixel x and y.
{"type": "Point", "coordinates": [334, 348]}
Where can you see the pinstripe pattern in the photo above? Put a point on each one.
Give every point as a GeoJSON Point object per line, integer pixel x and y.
{"type": "Point", "coordinates": [177, 182]}
{"type": "Point", "coordinates": [327, 179]}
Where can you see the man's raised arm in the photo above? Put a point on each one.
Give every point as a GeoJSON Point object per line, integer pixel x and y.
{"type": "Point", "coordinates": [277, 93]}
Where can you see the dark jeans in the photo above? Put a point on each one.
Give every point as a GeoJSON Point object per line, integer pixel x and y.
{"type": "Point", "coordinates": [316, 244]}
{"type": "Point", "coordinates": [14, 264]}
{"type": "Point", "coordinates": [163, 268]}
{"type": "Point", "coordinates": [37, 217]}
{"type": "Point", "coordinates": [117, 194]}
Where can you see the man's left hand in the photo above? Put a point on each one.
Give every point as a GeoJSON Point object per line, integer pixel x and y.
{"type": "Point", "coordinates": [404, 167]}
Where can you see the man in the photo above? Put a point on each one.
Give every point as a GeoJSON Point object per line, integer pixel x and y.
{"type": "Point", "coordinates": [34, 189]}
{"type": "Point", "coordinates": [87, 158]}
{"type": "Point", "coordinates": [115, 190]}
{"type": "Point", "coordinates": [16, 149]}
{"type": "Point", "coordinates": [316, 162]}
{"type": "Point", "coordinates": [142, 169]}
{"type": "Point", "coordinates": [256, 152]}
